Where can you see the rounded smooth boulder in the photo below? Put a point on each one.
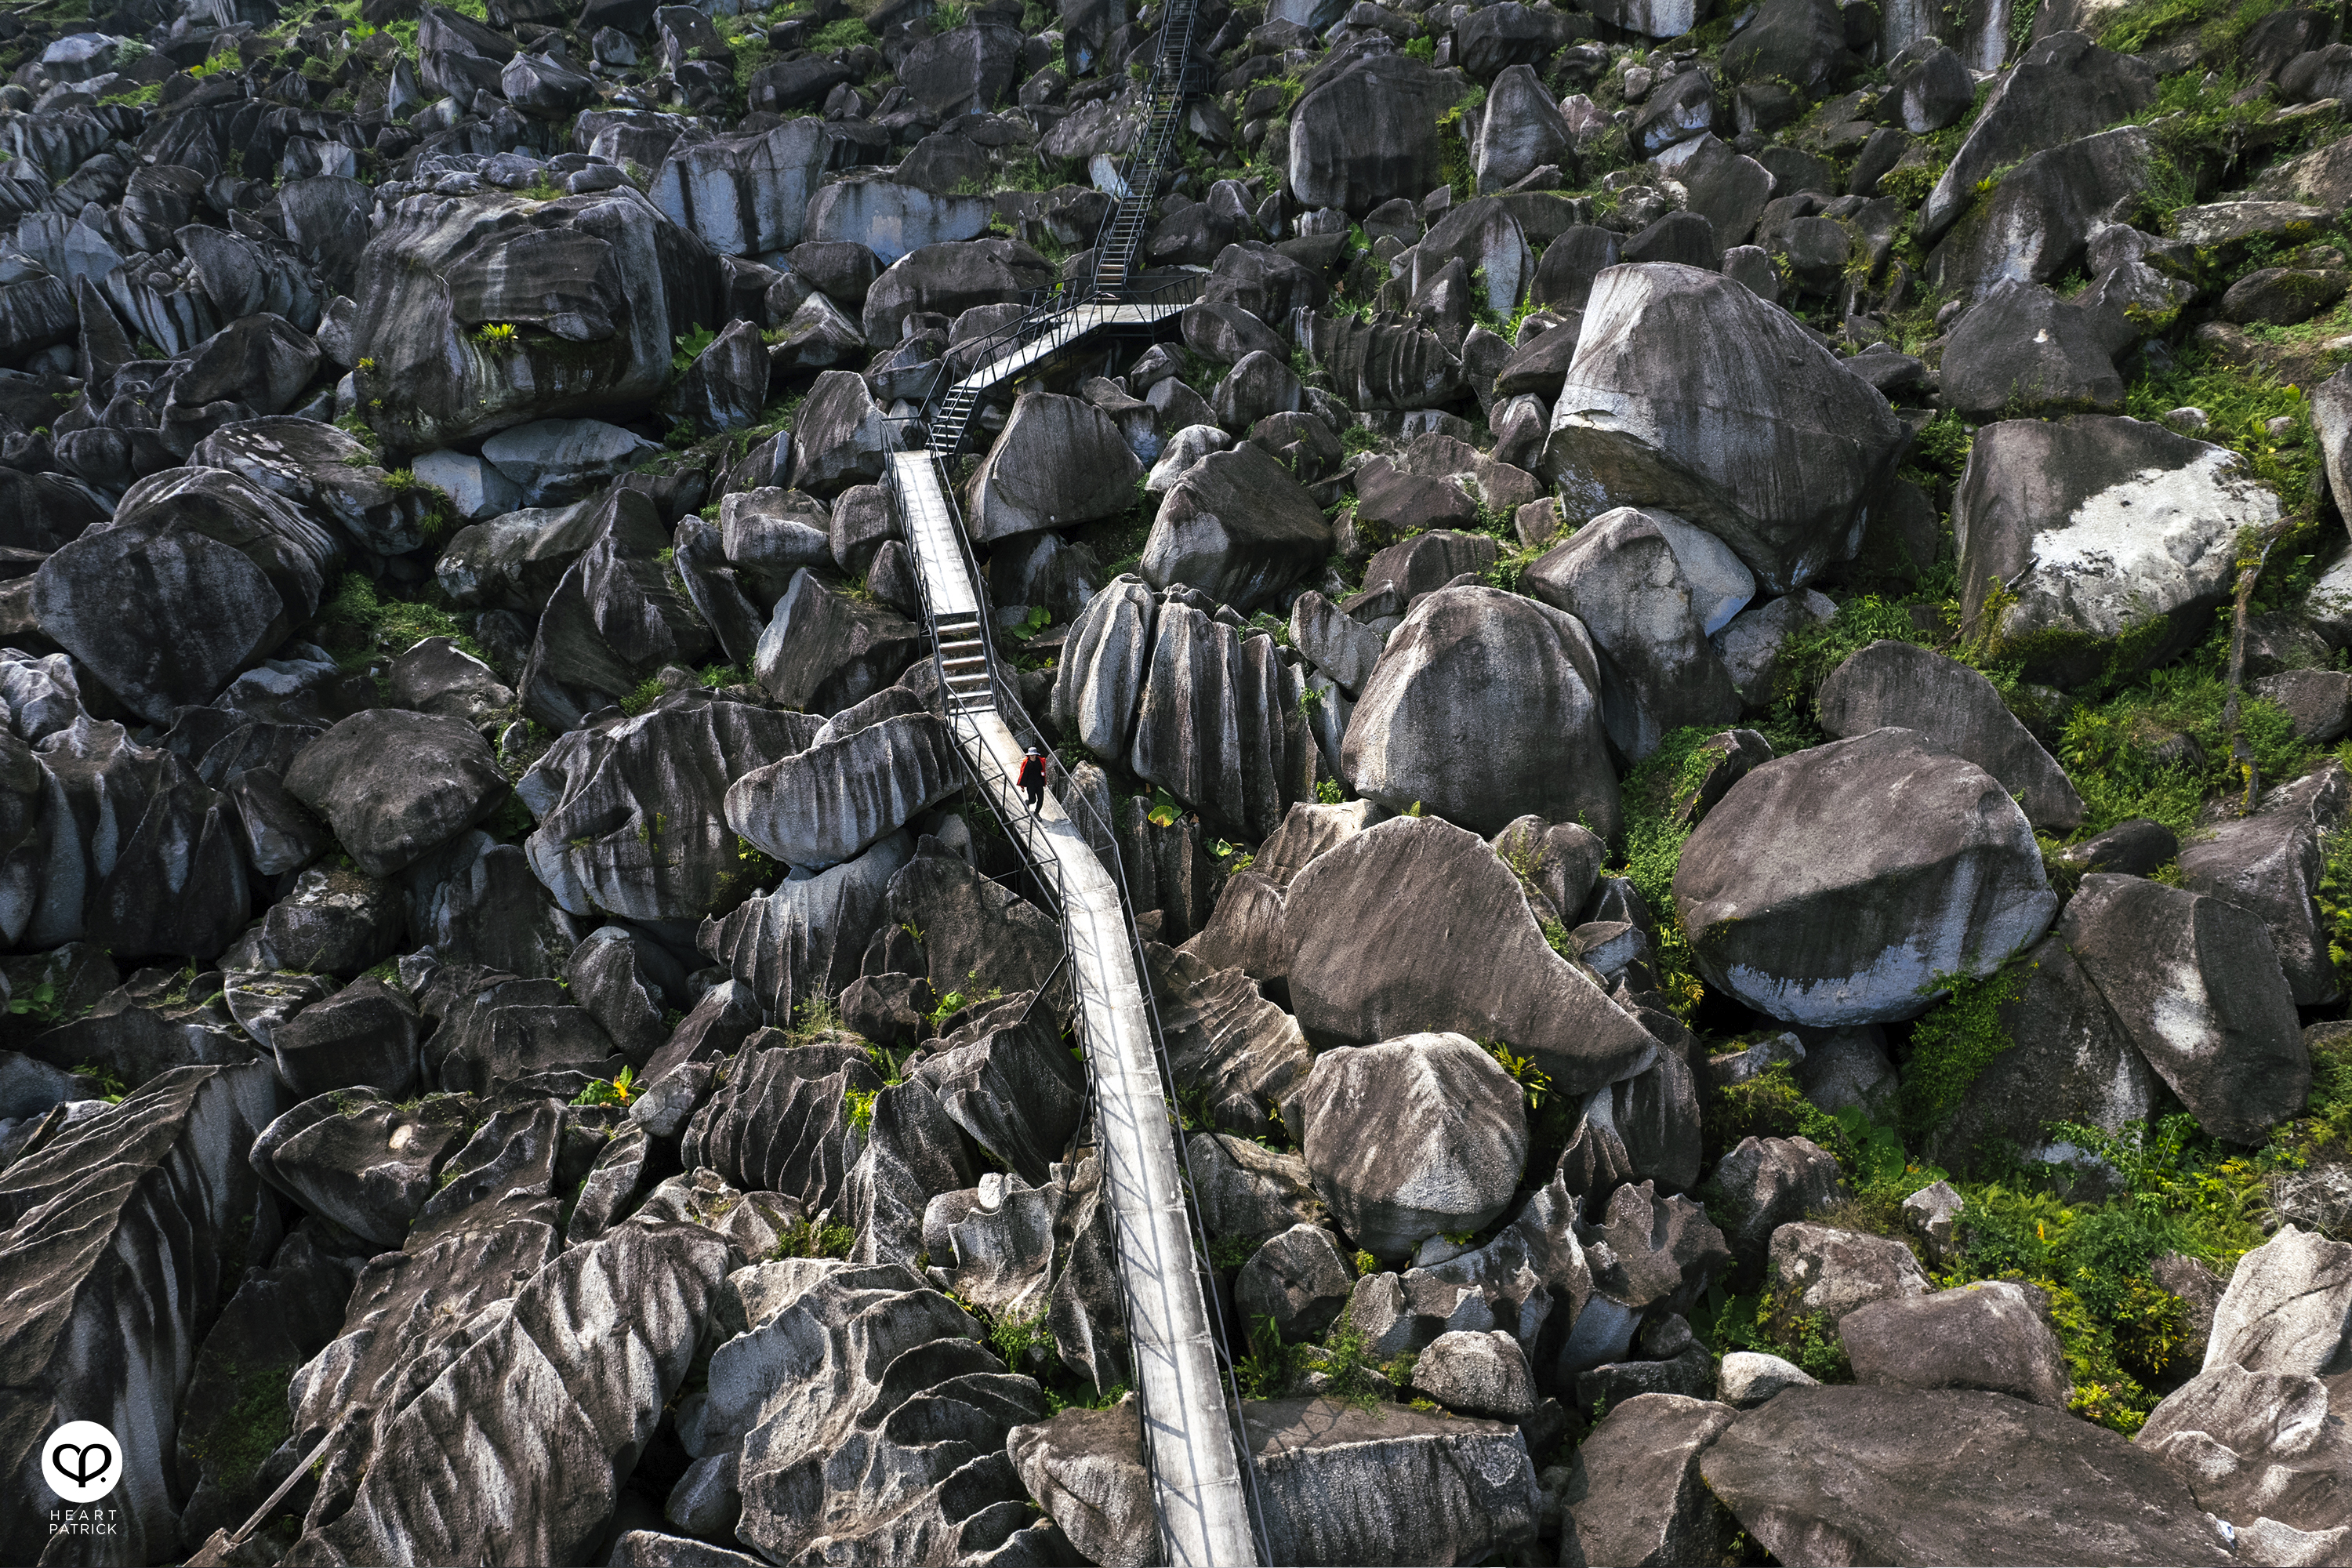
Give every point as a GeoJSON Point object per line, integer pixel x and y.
{"type": "Point", "coordinates": [1413, 1138]}
{"type": "Point", "coordinates": [1847, 884]}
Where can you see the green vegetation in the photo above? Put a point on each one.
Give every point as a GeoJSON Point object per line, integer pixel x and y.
{"type": "Point", "coordinates": [356, 625]}
{"type": "Point", "coordinates": [956, 1002]}
{"type": "Point", "coordinates": [648, 691]}
{"type": "Point", "coordinates": [2225, 24]}
{"type": "Point", "coordinates": [804, 1239]}
{"type": "Point", "coordinates": [38, 1003]}
{"type": "Point", "coordinates": [846, 34]}
{"type": "Point", "coordinates": [1532, 1079]}
{"type": "Point", "coordinates": [1953, 1041]}
{"type": "Point", "coordinates": [1344, 1358]}
{"type": "Point", "coordinates": [617, 1090]}
{"type": "Point", "coordinates": [2172, 1191]}
{"type": "Point", "coordinates": [1654, 796]}
{"type": "Point", "coordinates": [234, 1447]}
{"type": "Point", "coordinates": [110, 1087]}
{"type": "Point", "coordinates": [2161, 748]}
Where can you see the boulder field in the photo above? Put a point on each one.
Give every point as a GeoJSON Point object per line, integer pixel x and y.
{"type": "Point", "coordinates": [1711, 642]}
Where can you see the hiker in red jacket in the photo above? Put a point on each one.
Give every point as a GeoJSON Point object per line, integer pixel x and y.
{"type": "Point", "coordinates": [1032, 778]}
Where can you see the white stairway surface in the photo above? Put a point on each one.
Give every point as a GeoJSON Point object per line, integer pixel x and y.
{"type": "Point", "coordinates": [1189, 1447]}
{"type": "Point", "coordinates": [1067, 328]}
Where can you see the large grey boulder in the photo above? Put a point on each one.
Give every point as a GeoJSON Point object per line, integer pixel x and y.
{"type": "Point", "coordinates": [1335, 642]}
{"type": "Point", "coordinates": [540, 1399]}
{"type": "Point", "coordinates": [1060, 462]}
{"type": "Point", "coordinates": [514, 561]}
{"type": "Point", "coordinates": [1014, 1089]}
{"type": "Point", "coordinates": [616, 617]}
{"type": "Point", "coordinates": [914, 1151]}
{"type": "Point", "coordinates": [598, 288]}
{"type": "Point", "coordinates": [1765, 1183]}
{"type": "Point", "coordinates": [726, 385]}
{"type": "Point", "coordinates": [2288, 1308]}
{"type": "Point", "coordinates": [1296, 1280]}
{"type": "Point", "coordinates": [976, 932]}
{"type": "Point", "coordinates": [781, 1123]}
{"type": "Point", "coordinates": [2110, 541]}
{"type": "Point", "coordinates": [2269, 865]}
{"type": "Point", "coordinates": [745, 196]}
{"type": "Point", "coordinates": [1238, 527]}
{"type": "Point", "coordinates": [510, 1029]}
{"type": "Point", "coordinates": [1821, 1269]}
{"type": "Point", "coordinates": [805, 937]}
{"type": "Point", "coordinates": [2196, 984]}
{"type": "Point", "coordinates": [1392, 1486]}
{"type": "Point", "coordinates": [1365, 969]}
{"type": "Point", "coordinates": [1484, 236]}
{"type": "Point", "coordinates": [2070, 1059]}
{"type": "Point", "coordinates": [327, 472]}
{"type": "Point", "coordinates": [1477, 1374]}
{"type": "Point", "coordinates": [1248, 1190]}
{"type": "Point", "coordinates": [1098, 678]}
{"type": "Point", "coordinates": [1642, 1500]}
{"type": "Point", "coordinates": [122, 1232]}
{"type": "Point", "coordinates": [2259, 1445]}
{"type": "Point", "coordinates": [1086, 1469]}
{"type": "Point", "coordinates": [826, 805]}
{"type": "Point", "coordinates": [1893, 682]}
{"type": "Point", "coordinates": [236, 568]}
{"type": "Point", "coordinates": [842, 436]}
{"type": "Point", "coordinates": [119, 844]}
{"type": "Point", "coordinates": [1217, 720]}
{"type": "Point", "coordinates": [364, 1035]}
{"type": "Point", "coordinates": [630, 814]}
{"type": "Point", "coordinates": [1651, 589]}
{"type": "Point", "coordinates": [1368, 132]}
{"type": "Point", "coordinates": [396, 785]}
{"type": "Point", "coordinates": [1244, 1057]}
{"type": "Point", "coordinates": [1384, 364]}
{"type": "Point", "coordinates": [1779, 455]}
{"type": "Point", "coordinates": [1521, 131]}
{"type": "Point", "coordinates": [2023, 351]}
{"type": "Point", "coordinates": [2064, 87]}
{"type": "Point", "coordinates": [1992, 1334]}
{"type": "Point", "coordinates": [949, 278]}
{"type": "Point", "coordinates": [831, 1464]}
{"type": "Point", "coordinates": [2035, 226]}
{"type": "Point", "coordinates": [1412, 1136]}
{"type": "Point", "coordinates": [1518, 679]}
{"type": "Point", "coordinates": [1748, 1378]}
{"type": "Point", "coordinates": [361, 1161]}
{"type": "Point", "coordinates": [476, 902]}
{"type": "Point", "coordinates": [891, 218]}
{"type": "Point", "coordinates": [1865, 1475]}
{"type": "Point", "coordinates": [826, 650]}
{"type": "Point", "coordinates": [1806, 898]}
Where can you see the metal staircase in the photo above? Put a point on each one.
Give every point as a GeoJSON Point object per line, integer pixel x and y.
{"type": "Point", "coordinates": [1170, 84]}
{"type": "Point", "coordinates": [1204, 1482]}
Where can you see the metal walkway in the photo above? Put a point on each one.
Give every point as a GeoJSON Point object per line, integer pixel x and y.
{"type": "Point", "coordinates": [1190, 1440]}
{"type": "Point", "coordinates": [1205, 1488]}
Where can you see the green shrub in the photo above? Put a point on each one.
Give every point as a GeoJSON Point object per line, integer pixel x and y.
{"type": "Point", "coordinates": [1953, 1042]}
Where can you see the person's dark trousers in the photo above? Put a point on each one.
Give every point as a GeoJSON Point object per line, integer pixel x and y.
{"type": "Point", "coordinates": [1037, 793]}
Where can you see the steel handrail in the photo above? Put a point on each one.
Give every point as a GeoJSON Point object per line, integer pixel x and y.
{"type": "Point", "coordinates": [1169, 83]}
{"type": "Point", "coordinates": [1048, 875]}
